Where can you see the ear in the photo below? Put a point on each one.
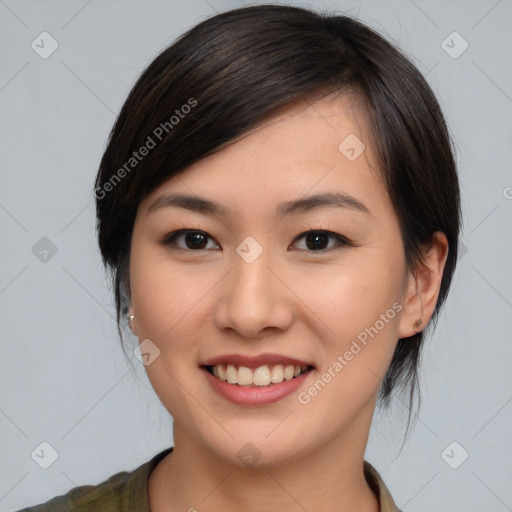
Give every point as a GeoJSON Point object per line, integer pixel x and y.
{"type": "Point", "coordinates": [422, 288]}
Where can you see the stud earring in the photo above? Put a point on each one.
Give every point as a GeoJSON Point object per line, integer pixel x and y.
{"type": "Point", "coordinates": [417, 324]}
{"type": "Point", "coordinates": [130, 320]}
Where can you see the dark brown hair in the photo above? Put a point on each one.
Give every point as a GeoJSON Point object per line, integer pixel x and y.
{"type": "Point", "coordinates": [232, 71]}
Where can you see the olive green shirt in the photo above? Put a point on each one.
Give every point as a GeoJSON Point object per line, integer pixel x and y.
{"type": "Point", "coordinates": [128, 492]}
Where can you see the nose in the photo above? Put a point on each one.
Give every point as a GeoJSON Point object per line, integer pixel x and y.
{"type": "Point", "coordinates": [253, 298]}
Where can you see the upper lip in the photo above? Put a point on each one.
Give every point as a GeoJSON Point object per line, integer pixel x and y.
{"type": "Point", "coordinates": [255, 361]}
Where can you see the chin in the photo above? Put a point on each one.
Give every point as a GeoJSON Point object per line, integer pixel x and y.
{"type": "Point", "coordinates": [260, 451]}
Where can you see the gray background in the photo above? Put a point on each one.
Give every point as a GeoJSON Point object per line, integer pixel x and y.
{"type": "Point", "coordinates": [64, 377]}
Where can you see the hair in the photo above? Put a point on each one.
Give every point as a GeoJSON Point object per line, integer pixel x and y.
{"type": "Point", "coordinates": [228, 74]}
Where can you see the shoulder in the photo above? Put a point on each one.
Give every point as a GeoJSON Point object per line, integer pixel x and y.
{"type": "Point", "coordinates": [105, 496]}
{"type": "Point", "coordinates": [124, 491]}
{"type": "Point", "coordinates": [378, 486]}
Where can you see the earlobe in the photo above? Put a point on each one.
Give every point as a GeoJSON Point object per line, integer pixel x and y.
{"type": "Point", "coordinates": [423, 288]}
{"type": "Point", "coordinates": [417, 324]}
{"type": "Point", "coordinates": [131, 321]}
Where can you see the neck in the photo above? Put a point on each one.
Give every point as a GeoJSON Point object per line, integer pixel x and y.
{"type": "Point", "coordinates": [330, 477]}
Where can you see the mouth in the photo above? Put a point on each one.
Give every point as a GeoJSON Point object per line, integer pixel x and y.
{"type": "Point", "coordinates": [266, 375]}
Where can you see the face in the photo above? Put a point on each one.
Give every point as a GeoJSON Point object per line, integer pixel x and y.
{"type": "Point", "coordinates": [263, 283]}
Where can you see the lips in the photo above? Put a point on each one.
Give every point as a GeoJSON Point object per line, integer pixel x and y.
{"type": "Point", "coordinates": [255, 380]}
{"type": "Point", "coordinates": [254, 362]}
{"type": "Point", "coordinates": [256, 395]}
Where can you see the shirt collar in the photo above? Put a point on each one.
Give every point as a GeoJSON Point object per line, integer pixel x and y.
{"type": "Point", "coordinates": [138, 491]}
{"type": "Point", "coordinates": [378, 486]}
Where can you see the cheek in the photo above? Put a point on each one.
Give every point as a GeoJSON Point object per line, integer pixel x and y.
{"type": "Point", "coordinates": [168, 308]}
{"type": "Point", "coordinates": [359, 311]}
{"type": "Point", "coordinates": [165, 297]}
{"type": "Point", "coordinates": [150, 298]}
{"type": "Point", "coordinates": [352, 296]}
{"type": "Point", "coordinates": [359, 306]}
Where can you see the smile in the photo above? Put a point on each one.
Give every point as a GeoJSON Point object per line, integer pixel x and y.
{"type": "Point", "coordinates": [256, 380]}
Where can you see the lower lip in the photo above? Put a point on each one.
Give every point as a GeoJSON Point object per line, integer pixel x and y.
{"type": "Point", "coordinates": [254, 395]}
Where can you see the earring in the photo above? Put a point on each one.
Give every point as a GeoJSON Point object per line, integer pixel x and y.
{"type": "Point", "coordinates": [417, 324]}
{"type": "Point", "coordinates": [130, 320]}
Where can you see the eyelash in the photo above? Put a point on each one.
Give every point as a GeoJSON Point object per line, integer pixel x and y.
{"type": "Point", "coordinates": [170, 239]}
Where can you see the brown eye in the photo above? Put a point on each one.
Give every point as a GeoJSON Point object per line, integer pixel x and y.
{"type": "Point", "coordinates": [319, 240]}
{"type": "Point", "coordinates": [192, 240]}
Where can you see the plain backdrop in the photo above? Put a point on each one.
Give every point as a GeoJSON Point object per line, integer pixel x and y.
{"type": "Point", "coordinates": [65, 380]}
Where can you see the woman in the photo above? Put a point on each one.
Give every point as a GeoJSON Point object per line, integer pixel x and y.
{"type": "Point", "coordinates": [279, 206]}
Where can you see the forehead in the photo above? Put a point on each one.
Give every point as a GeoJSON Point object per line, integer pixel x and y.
{"type": "Point", "coordinates": [307, 148]}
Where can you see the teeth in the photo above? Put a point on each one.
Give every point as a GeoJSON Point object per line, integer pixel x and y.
{"type": "Point", "coordinates": [288, 372]}
{"type": "Point", "coordinates": [277, 374]}
{"type": "Point", "coordinates": [244, 376]}
{"type": "Point", "coordinates": [261, 376]}
{"type": "Point", "coordinates": [231, 374]}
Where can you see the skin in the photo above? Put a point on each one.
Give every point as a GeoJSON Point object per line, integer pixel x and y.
{"type": "Point", "coordinates": [195, 304]}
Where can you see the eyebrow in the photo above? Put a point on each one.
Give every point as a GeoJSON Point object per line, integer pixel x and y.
{"type": "Point", "coordinates": [206, 206]}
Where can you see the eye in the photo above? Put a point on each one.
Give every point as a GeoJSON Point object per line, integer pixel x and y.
{"type": "Point", "coordinates": [319, 240]}
{"type": "Point", "coordinates": [316, 240]}
{"type": "Point", "coordinates": [194, 240]}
